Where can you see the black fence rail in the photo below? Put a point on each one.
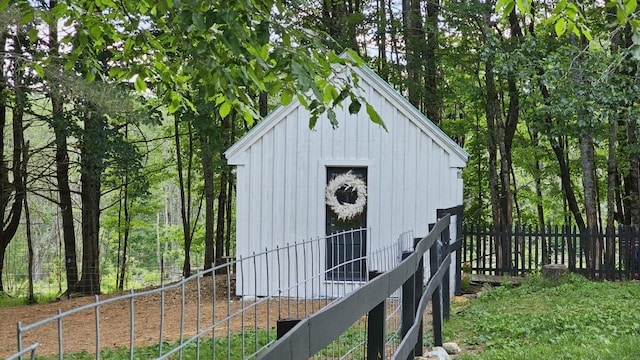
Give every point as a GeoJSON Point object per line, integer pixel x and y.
{"type": "Point", "coordinates": [308, 336]}
{"type": "Point", "coordinates": [520, 251]}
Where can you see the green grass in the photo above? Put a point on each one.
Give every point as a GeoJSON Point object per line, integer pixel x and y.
{"type": "Point", "coordinates": [576, 319]}
{"type": "Point", "coordinates": [7, 301]}
{"type": "Point", "coordinates": [235, 344]}
{"type": "Point", "coordinates": [352, 340]}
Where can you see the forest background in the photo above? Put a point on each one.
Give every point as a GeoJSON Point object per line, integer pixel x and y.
{"type": "Point", "coordinates": [115, 114]}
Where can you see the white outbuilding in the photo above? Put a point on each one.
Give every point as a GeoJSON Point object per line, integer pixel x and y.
{"type": "Point", "coordinates": [284, 169]}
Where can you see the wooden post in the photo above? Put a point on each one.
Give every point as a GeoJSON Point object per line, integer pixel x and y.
{"type": "Point", "coordinates": [436, 298]}
{"type": "Point", "coordinates": [446, 292]}
{"type": "Point", "coordinates": [375, 326]}
{"type": "Point", "coordinates": [408, 304]}
{"type": "Point", "coordinates": [283, 326]}
{"type": "Point", "coordinates": [419, 290]}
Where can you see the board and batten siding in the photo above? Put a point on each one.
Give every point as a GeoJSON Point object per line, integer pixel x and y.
{"type": "Point", "coordinates": [281, 178]}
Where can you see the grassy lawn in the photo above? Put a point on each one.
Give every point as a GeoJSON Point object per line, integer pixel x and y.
{"type": "Point", "coordinates": [577, 319]}
{"type": "Point", "coordinates": [232, 348]}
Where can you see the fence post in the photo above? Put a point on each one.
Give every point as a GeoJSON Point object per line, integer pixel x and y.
{"type": "Point", "coordinates": [375, 324]}
{"type": "Point", "coordinates": [283, 326]}
{"type": "Point", "coordinates": [436, 298]}
{"type": "Point", "coordinates": [408, 304]}
{"type": "Point", "coordinates": [459, 244]}
{"type": "Point", "coordinates": [458, 259]}
{"type": "Point", "coordinates": [446, 292]}
{"type": "Point", "coordinates": [419, 290]}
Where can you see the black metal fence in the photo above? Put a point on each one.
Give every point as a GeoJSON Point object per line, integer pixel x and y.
{"type": "Point", "coordinates": [306, 337]}
{"type": "Point", "coordinates": [520, 251]}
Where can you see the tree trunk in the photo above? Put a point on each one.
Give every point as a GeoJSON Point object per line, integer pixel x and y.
{"type": "Point", "coordinates": [230, 188]}
{"type": "Point", "coordinates": [119, 252]}
{"type": "Point", "coordinates": [208, 174]}
{"type": "Point", "coordinates": [535, 141]}
{"type": "Point", "coordinates": [492, 110]}
{"type": "Point", "coordinates": [432, 98]}
{"type": "Point", "coordinates": [222, 200]}
{"type": "Point", "coordinates": [587, 158]}
{"type": "Point", "coordinates": [415, 45]}
{"type": "Point", "coordinates": [612, 173]}
{"type": "Point", "coordinates": [59, 125]}
{"type": "Point", "coordinates": [339, 21]}
{"type": "Point", "coordinates": [185, 196]}
{"type": "Point", "coordinates": [3, 251]}
{"type": "Point", "coordinates": [11, 220]}
{"type": "Point", "coordinates": [632, 180]}
{"type": "Point", "coordinates": [92, 164]}
{"type": "Point", "coordinates": [127, 228]}
{"type": "Point", "coordinates": [5, 185]}
{"type": "Point", "coordinates": [64, 193]}
{"type": "Point", "coordinates": [590, 200]}
{"type": "Point", "coordinates": [565, 173]}
{"type": "Point", "coordinates": [381, 39]}
{"type": "Point", "coordinates": [27, 217]}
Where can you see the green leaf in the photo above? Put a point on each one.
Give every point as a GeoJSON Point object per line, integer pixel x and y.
{"type": "Point", "coordinates": [38, 69]}
{"type": "Point", "coordinates": [198, 20]}
{"type": "Point", "coordinates": [33, 35]}
{"type": "Point", "coordinates": [561, 27]}
{"type": "Point", "coordinates": [329, 94]}
{"type": "Point", "coordinates": [248, 117]}
{"type": "Point", "coordinates": [586, 32]}
{"type": "Point", "coordinates": [91, 76]}
{"type": "Point", "coordinates": [4, 4]}
{"type": "Point", "coordinates": [375, 117]}
{"type": "Point", "coordinates": [630, 6]}
{"type": "Point", "coordinates": [509, 9]}
{"type": "Point", "coordinates": [57, 11]}
{"type": "Point", "coordinates": [355, 106]}
{"type": "Point", "coordinates": [313, 121]}
{"type": "Point", "coordinates": [635, 51]}
{"type": "Point", "coordinates": [219, 99]}
{"type": "Point", "coordinates": [225, 109]}
{"type": "Point", "coordinates": [286, 97]}
{"type": "Point", "coordinates": [524, 6]}
{"type": "Point", "coordinates": [303, 101]}
{"type": "Point", "coordinates": [562, 4]}
{"type": "Point", "coordinates": [332, 118]}
{"type": "Point", "coordinates": [576, 31]}
{"type": "Point", "coordinates": [174, 105]}
{"type": "Point", "coordinates": [139, 84]}
{"type": "Point", "coordinates": [27, 17]}
{"type": "Point", "coordinates": [501, 5]}
{"type": "Point", "coordinates": [620, 16]}
{"type": "Point", "coordinates": [354, 55]}
{"type": "Point", "coordinates": [340, 97]}
{"type": "Point", "coordinates": [95, 31]}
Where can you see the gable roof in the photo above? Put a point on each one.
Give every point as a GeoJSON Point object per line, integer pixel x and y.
{"type": "Point", "coordinates": [366, 74]}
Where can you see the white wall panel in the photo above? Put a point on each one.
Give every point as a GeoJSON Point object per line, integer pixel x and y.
{"type": "Point", "coordinates": [279, 183]}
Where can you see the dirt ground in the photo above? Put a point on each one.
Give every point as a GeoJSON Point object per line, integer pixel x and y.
{"type": "Point", "coordinates": [79, 329]}
{"type": "Point", "coordinates": [229, 313]}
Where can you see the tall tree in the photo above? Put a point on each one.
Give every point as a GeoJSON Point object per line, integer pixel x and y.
{"type": "Point", "coordinates": [12, 186]}
{"type": "Point", "coordinates": [431, 55]}
{"type": "Point", "coordinates": [60, 126]}
{"type": "Point", "coordinates": [340, 19]}
{"type": "Point", "coordinates": [415, 47]}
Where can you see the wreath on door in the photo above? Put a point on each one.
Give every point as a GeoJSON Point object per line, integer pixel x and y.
{"type": "Point", "coordinates": [347, 182]}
